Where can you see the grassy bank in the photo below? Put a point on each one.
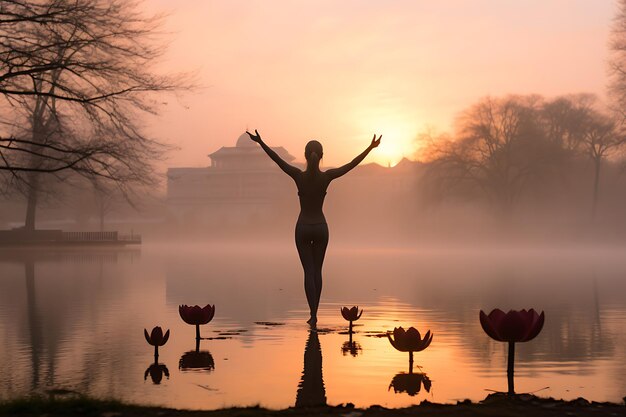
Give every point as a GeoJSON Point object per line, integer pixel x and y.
{"type": "Point", "coordinates": [494, 405]}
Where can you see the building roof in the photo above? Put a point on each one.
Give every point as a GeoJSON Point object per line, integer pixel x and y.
{"type": "Point", "coordinates": [233, 151]}
{"type": "Point", "coordinates": [244, 141]}
{"type": "Point", "coordinates": [246, 147]}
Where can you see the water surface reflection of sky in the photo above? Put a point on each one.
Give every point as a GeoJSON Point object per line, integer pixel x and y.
{"type": "Point", "coordinates": [74, 320]}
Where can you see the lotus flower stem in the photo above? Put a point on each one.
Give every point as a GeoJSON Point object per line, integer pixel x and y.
{"type": "Point", "coordinates": [156, 354]}
{"type": "Point", "coordinates": [411, 362]}
{"type": "Point", "coordinates": [350, 329]}
{"type": "Point", "coordinates": [197, 332]}
{"type": "Point", "coordinates": [197, 345]}
{"type": "Point", "coordinates": [510, 368]}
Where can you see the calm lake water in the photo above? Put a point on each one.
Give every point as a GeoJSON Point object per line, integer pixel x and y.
{"type": "Point", "coordinates": [74, 320]}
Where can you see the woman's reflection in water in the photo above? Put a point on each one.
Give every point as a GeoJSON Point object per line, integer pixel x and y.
{"type": "Point", "coordinates": [311, 391]}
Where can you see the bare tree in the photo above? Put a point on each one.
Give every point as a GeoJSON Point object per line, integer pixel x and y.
{"type": "Point", "coordinates": [617, 61]}
{"type": "Point", "coordinates": [506, 146]}
{"type": "Point", "coordinates": [564, 120]}
{"type": "Point", "coordinates": [602, 137]}
{"type": "Point", "coordinates": [489, 153]}
{"type": "Point", "coordinates": [79, 74]}
{"type": "Point", "coordinates": [578, 125]}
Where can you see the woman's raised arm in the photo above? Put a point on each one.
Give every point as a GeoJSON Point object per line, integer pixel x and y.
{"type": "Point", "coordinates": [286, 167]}
{"type": "Point", "coordinates": [342, 170]}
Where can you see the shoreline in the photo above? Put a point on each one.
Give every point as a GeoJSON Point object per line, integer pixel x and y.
{"type": "Point", "coordinates": [494, 405]}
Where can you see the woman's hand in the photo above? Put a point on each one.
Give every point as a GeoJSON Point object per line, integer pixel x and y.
{"type": "Point", "coordinates": [375, 142]}
{"type": "Point", "coordinates": [257, 138]}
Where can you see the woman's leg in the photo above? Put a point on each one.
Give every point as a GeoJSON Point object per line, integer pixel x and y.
{"type": "Point", "coordinates": [320, 243]}
{"type": "Point", "coordinates": [304, 245]}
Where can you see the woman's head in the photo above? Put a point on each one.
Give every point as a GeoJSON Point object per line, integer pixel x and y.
{"type": "Point", "coordinates": [313, 151]}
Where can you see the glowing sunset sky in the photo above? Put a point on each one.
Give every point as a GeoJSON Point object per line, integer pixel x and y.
{"type": "Point", "coordinates": [338, 71]}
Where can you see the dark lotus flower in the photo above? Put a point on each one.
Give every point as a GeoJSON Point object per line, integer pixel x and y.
{"type": "Point", "coordinates": [351, 314]}
{"type": "Point", "coordinates": [410, 340]}
{"type": "Point", "coordinates": [514, 326]}
{"type": "Point", "coordinates": [410, 383]}
{"type": "Point", "coordinates": [156, 372]}
{"type": "Point", "coordinates": [156, 337]}
{"type": "Point", "coordinates": [196, 360]}
{"type": "Point", "coordinates": [196, 315]}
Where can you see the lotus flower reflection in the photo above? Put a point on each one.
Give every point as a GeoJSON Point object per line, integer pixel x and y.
{"type": "Point", "coordinates": [351, 347]}
{"type": "Point", "coordinates": [512, 327]}
{"type": "Point", "coordinates": [410, 383]}
{"type": "Point", "coordinates": [198, 360]}
{"type": "Point", "coordinates": [409, 341]}
{"type": "Point", "coordinates": [156, 372]}
{"type": "Point", "coordinates": [196, 315]}
{"type": "Point", "coordinates": [156, 338]}
{"type": "Point", "coordinates": [351, 314]}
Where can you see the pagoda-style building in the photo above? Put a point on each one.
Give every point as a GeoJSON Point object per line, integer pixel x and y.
{"type": "Point", "coordinates": [246, 155]}
{"type": "Point", "coordinates": [241, 184]}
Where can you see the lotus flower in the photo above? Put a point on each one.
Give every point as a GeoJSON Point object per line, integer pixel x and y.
{"type": "Point", "coordinates": [351, 314]}
{"type": "Point", "coordinates": [156, 338]}
{"type": "Point", "coordinates": [512, 327]}
{"type": "Point", "coordinates": [409, 341]}
{"type": "Point", "coordinates": [196, 315]}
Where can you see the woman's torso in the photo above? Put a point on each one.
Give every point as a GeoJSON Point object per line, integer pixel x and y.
{"type": "Point", "coordinates": [312, 188]}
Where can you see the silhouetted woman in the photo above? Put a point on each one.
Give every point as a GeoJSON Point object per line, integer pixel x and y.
{"type": "Point", "coordinates": [311, 228]}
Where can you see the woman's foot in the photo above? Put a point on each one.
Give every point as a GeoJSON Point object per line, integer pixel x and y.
{"type": "Point", "coordinates": [312, 321]}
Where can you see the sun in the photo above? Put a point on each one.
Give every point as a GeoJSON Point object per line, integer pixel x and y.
{"type": "Point", "coordinates": [398, 142]}
{"type": "Point", "coordinates": [392, 149]}
{"type": "Point", "coordinates": [392, 119]}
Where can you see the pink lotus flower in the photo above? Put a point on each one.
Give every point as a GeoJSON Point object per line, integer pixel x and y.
{"type": "Point", "coordinates": [512, 327]}
{"type": "Point", "coordinates": [196, 315]}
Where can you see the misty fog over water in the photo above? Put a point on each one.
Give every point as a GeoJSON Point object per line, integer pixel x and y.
{"type": "Point", "coordinates": [73, 320]}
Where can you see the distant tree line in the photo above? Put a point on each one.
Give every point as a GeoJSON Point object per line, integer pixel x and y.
{"type": "Point", "coordinates": [505, 147]}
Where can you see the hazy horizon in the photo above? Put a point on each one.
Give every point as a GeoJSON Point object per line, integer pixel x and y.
{"type": "Point", "coordinates": [341, 72]}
